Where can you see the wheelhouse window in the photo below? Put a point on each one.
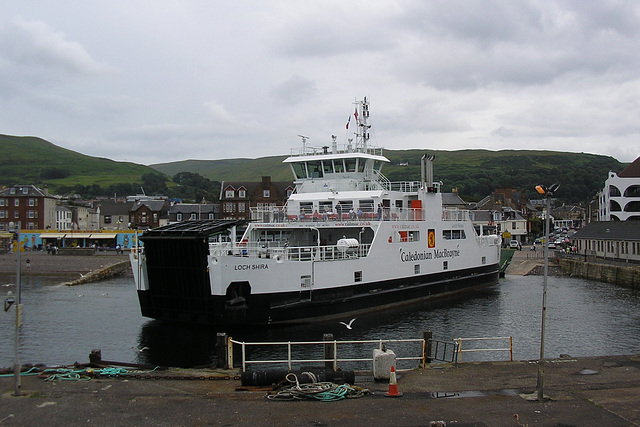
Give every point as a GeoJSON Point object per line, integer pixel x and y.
{"type": "Point", "coordinates": [299, 170]}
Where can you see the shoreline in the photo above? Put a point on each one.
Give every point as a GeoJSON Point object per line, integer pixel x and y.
{"type": "Point", "coordinates": [40, 263]}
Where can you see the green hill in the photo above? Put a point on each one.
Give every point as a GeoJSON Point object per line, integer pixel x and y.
{"type": "Point", "coordinates": [475, 173]}
{"type": "Point", "coordinates": [31, 160]}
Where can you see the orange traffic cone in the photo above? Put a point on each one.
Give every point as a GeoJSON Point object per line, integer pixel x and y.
{"type": "Point", "coordinates": [393, 385]}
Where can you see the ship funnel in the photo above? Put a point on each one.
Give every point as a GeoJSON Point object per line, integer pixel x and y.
{"type": "Point", "coordinates": [426, 170]}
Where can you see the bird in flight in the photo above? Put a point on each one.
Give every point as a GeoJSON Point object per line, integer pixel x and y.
{"type": "Point", "coordinates": [348, 325]}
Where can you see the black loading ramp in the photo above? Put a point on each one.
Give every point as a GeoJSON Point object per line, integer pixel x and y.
{"type": "Point", "coordinates": [176, 257]}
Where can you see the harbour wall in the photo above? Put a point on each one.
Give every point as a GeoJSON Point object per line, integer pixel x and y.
{"type": "Point", "coordinates": [104, 273]}
{"type": "Point", "coordinates": [626, 276]}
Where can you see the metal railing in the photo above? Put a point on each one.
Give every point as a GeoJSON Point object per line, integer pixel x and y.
{"type": "Point", "coordinates": [290, 253]}
{"type": "Point", "coordinates": [290, 360]}
{"type": "Point", "coordinates": [490, 349]}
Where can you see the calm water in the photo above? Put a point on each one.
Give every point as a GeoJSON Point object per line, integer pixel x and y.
{"type": "Point", "coordinates": [63, 324]}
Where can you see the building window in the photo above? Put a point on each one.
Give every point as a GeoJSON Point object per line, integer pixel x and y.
{"type": "Point", "coordinates": [3, 202]}
{"type": "Point", "coordinates": [193, 216]}
{"type": "Point", "coordinates": [229, 207]}
{"type": "Point", "coordinates": [228, 194]}
{"type": "Point", "coordinates": [266, 193]}
{"type": "Point", "coordinates": [32, 202]}
{"type": "Point", "coordinates": [107, 219]}
{"type": "Point", "coordinates": [31, 214]}
{"type": "Point", "coordinates": [2, 214]}
{"type": "Point", "coordinates": [25, 190]}
{"type": "Point", "coordinates": [241, 207]}
{"type": "Point", "coordinates": [179, 217]}
{"type": "Point", "coordinates": [242, 194]}
{"type": "Point", "coordinates": [16, 202]}
{"type": "Point", "coordinates": [211, 216]}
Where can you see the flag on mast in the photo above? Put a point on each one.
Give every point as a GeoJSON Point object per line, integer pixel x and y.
{"type": "Point", "coordinates": [348, 120]}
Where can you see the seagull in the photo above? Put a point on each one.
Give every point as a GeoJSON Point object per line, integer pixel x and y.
{"type": "Point", "coordinates": [348, 325]}
{"type": "Point", "coordinates": [81, 275]}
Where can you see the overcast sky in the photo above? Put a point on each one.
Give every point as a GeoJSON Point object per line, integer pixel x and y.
{"type": "Point", "coordinates": [162, 81]}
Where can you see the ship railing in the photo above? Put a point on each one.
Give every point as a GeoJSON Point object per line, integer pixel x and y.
{"type": "Point", "coordinates": [489, 240]}
{"type": "Point", "coordinates": [455, 214]}
{"type": "Point", "coordinates": [289, 253]}
{"type": "Point", "coordinates": [280, 214]}
{"type": "Point", "coordinates": [506, 341]}
{"type": "Point", "coordinates": [309, 150]}
{"type": "Point", "coordinates": [331, 352]}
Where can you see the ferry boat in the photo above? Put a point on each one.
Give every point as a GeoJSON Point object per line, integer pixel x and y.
{"type": "Point", "coordinates": [348, 241]}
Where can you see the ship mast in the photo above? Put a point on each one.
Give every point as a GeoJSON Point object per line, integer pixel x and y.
{"type": "Point", "coordinates": [362, 118]}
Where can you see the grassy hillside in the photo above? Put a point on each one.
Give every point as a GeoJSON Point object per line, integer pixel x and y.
{"type": "Point", "coordinates": [31, 160]}
{"type": "Point", "coordinates": [475, 173]}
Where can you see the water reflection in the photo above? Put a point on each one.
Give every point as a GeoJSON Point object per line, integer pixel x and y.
{"type": "Point", "coordinates": [63, 324]}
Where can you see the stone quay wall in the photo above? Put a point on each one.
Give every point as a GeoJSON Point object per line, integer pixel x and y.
{"type": "Point", "coordinates": [627, 276]}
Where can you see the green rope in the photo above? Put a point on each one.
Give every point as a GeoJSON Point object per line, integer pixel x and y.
{"type": "Point", "coordinates": [322, 391]}
{"type": "Point", "coordinates": [24, 374]}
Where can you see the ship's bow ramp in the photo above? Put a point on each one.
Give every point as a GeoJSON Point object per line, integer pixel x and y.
{"type": "Point", "coordinates": [176, 258]}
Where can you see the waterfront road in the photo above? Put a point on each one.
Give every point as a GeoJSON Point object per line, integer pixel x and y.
{"type": "Point", "coordinates": [593, 391]}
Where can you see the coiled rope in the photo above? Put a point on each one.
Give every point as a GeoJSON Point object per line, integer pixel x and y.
{"type": "Point", "coordinates": [323, 391]}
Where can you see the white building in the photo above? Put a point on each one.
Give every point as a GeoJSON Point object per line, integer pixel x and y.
{"type": "Point", "coordinates": [64, 219]}
{"type": "Point", "coordinates": [619, 200]}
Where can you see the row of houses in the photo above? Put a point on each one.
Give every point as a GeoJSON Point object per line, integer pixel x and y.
{"type": "Point", "coordinates": [614, 232]}
{"type": "Point", "coordinates": [506, 211]}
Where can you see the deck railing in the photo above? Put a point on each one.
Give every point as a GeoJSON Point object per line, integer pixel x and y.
{"type": "Point", "coordinates": [337, 346]}
{"type": "Point", "coordinates": [290, 253]}
{"type": "Point", "coordinates": [334, 352]}
{"type": "Point", "coordinates": [508, 340]}
{"type": "Point", "coordinates": [279, 214]}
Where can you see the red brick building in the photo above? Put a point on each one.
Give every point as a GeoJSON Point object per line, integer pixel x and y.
{"type": "Point", "coordinates": [33, 207]}
{"type": "Point", "coordinates": [237, 198]}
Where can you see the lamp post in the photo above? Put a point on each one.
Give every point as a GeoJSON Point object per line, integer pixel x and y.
{"type": "Point", "coordinates": [15, 228]}
{"type": "Point", "coordinates": [547, 192]}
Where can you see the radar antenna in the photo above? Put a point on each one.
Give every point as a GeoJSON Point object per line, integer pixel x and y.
{"type": "Point", "coordinates": [304, 143]}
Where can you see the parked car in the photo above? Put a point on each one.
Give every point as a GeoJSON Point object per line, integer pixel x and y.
{"type": "Point", "coordinates": [513, 244]}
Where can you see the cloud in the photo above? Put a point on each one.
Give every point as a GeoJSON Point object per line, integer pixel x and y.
{"type": "Point", "coordinates": [201, 79]}
{"type": "Point", "coordinates": [30, 44]}
{"type": "Point", "coordinates": [294, 91]}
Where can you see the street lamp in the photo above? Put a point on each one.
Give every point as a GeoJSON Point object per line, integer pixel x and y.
{"type": "Point", "coordinates": [15, 228]}
{"type": "Point", "coordinates": [547, 192]}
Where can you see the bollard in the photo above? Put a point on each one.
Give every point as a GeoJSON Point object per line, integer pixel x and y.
{"type": "Point", "coordinates": [221, 351]}
{"type": "Point", "coordinates": [329, 353]}
{"type": "Point", "coordinates": [427, 336]}
{"type": "Point", "coordinates": [95, 357]}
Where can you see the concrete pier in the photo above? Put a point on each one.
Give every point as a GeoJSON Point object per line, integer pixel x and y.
{"type": "Point", "coordinates": [592, 391]}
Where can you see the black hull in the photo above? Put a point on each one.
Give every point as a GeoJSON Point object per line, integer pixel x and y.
{"type": "Point", "coordinates": [294, 307]}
